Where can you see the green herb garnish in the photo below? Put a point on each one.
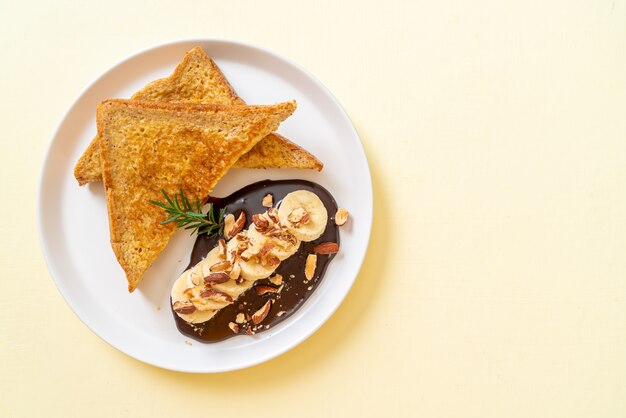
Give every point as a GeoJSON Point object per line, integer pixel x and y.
{"type": "Point", "coordinates": [186, 216]}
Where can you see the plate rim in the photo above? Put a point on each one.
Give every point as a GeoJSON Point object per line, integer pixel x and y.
{"type": "Point", "coordinates": [45, 160]}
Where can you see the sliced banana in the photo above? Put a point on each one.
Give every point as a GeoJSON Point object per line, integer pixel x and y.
{"type": "Point", "coordinates": [193, 279]}
{"type": "Point", "coordinates": [232, 288]}
{"type": "Point", "coordinates": [177, 294]}
{"type": "Point", "coordinates": [293, 205]}
{"type": "Point", "coordinates": [198, 272]}
{"type": "Point", "coordinates": [282, 249]}
{"type": "Point", "coordinates": [301, 214]}
{"type": "Point", "coordinates": [250, 270]}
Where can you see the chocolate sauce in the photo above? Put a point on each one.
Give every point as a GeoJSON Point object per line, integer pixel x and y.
{"type": "Point", "coordinates": [296, 289]}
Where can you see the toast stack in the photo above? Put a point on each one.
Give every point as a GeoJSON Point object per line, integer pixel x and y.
{"type": "Point", "coordinates": [198, 80]}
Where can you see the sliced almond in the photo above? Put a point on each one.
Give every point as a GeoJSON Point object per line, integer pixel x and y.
{"type": "Point", "coordinates": [217, 296]}
{"type": "Point", "coordinates": [268, 201]}
{"type": "Point", "coordinates": [310, 265]}
{"type": "Point", "coordinates": [266, 258]}
{"type": "Point", "coordinates": [222, 247]}
{"type": "Point", "coordinates": [297, 216]}
{"type": "Point", "coordinates": [261, 314]}
{"type": "Point", "coordinates": [246, 255]}
{"type": "Point", "coordinates": [267, 247]}
{"type": "Point", "coordinates": [264, 289]}
{"type": "Point", "coordinates": [221, 266]}
{"type": "Point", "coordinates": [285, 238]}
{"type": "Point", "coordinates": [215, 278]}
{"type": "Point", "coordinates": [341, 217]}
{"type": "Point", "coordinates": [276, 279]}
{"type": "Point", "coordinates": [233, 327]}
{"type": "Point", "coordinates": [239, 224]}
{"type": "Point", "coordinates": [261, 224]}
{"type": "Point", "coordinates": [235, 272]}
{"type": "Point", "coordinates": [327, 248]}
{"type": "Point", "coordinates": [184, 308]}
{"type": "Point", "coordinates": [271, 261]}
{"type": "Point", "coordinates": [231, 226]}
{"type": "Point", "coordinates": [196, 277]}
{"type": "Point", "coordinates": [229, 223]}
{"type": "Point", "coordinates": [242, 245]}
{"type": "Point", "coordinates": [272, 213]}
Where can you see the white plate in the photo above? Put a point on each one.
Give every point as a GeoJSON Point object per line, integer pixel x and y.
{"type": "Point", "coordinates": [74, 230]}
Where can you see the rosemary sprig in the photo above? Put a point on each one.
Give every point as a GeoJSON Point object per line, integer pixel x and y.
{"type": "Point", "coordinates": [186, 216]}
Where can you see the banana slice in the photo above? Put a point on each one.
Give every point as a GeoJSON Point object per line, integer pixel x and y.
{"type": "Point", "coordinates": [198, 272]}
{"type": "Point", "coordinates": [283, 249]}
{"type": "Point", "coordinates": [250, 270]}
{"type": "Point", "coordinates": [177, 294]}
{"type": "Point", "coordinates": [232, 288]}
{"type": "Point", "coordinates": [304, 214]}
{"type": "Point", "coordinates": [188, 288]}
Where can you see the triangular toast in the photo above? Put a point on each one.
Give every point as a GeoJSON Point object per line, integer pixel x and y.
{"type": "Point", "coordinates": [146, 147]}
{"type": "Point", "coordinates": [197, 79]}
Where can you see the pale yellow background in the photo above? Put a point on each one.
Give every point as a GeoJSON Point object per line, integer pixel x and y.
{"type": "Point", "coordinates": [495, 282]}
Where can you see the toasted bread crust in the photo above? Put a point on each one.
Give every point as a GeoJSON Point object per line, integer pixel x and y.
{"type": "Point", "coordinates": [197, 79]}
{"type": "Point", "coordinates": [147, 146]}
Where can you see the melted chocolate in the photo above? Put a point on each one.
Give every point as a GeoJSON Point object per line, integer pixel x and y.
{"type": "Point", "coordinates": [296, 289]}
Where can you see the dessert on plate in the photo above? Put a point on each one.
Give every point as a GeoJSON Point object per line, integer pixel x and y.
{"type": "Point", "coordinates": [279, 237]}
{"type": "Point", "coordinates": [261, 251]}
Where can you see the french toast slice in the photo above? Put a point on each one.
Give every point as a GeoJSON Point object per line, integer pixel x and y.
{"type": "Point", "coordinates": [197, 79]}
{"type": "Point", "coordinates": [147, 147]}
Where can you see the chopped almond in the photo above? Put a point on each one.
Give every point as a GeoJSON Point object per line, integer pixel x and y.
{"type": "Point", "coordinates": [236, 226]}
{"type": "Point", "coordinates": [327, 248]}
{"type": "Point", "coordinates": [261, 314]}
{"type": "Point", "coordinates": [221, 266]}
{"type": "Point", "coordinates": [183, 307]}
{"type": "Point", "coordinates": [276, 279]}
{"type": "Point", "coordinates": [215, 278]}
{"type": "Point", "coordinates": [264, 289]}
{"type": "Point", "coordinates": [310, 265]}
{"type": "Point", "coordinates": [268, 201]}
{"type": "Point", "coordinates": [235, 272]}
{"type": "Point", "coordinates": [229, 223]}
{"type": "Point", "coordinates": [298, 216]}
{"type": "Point", "coordinates": [341, 217]}
{"type": "Point", "coordinates": [222, 245]}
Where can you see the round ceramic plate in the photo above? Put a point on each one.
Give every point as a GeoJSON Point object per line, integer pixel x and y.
{"type": "Point", "coordinates": [73, 221]}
